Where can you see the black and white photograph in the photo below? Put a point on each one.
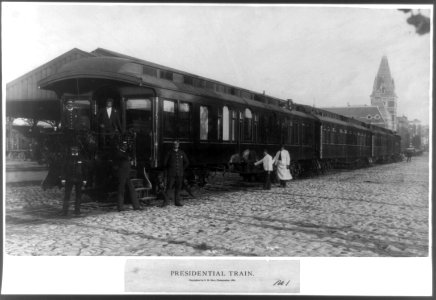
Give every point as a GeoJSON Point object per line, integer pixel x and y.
{"type": "Point", "coordinates": [210, 144]}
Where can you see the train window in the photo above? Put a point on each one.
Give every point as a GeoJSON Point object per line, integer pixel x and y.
{"type": "Point", "coordinates": [204, 122]}
{"type": "Point", "coordinates": [184, 120]}
{"type": "Point", "coordinates": [247, 95]}
{"type": "Point", "coordinates": [309, 134]}
{"type": "Point", "coordinates": [169, 115]}
{"type": "Point", "coordinates": [233, 129]}
{"type": "Point", "coordinates": [209, 85]}
{"type": "Point", "coordinates": [149, 71]}
{"type": "Point", "coordinates": [198, 82]}
{"type": "Point", "coordinates": [332, 136]}
{"type": "Point", "coordinates": [138, 104]}
{"type": "Point", "coordinates": [166, 74]}
{"type": "Point", "coordinates": [248, 125]}
{"type": "Point", "coordinates": [271, 128]}
{"type": "Point", "coordinates": [234, 91]}
{"type": "Point", "coordinates": [220, 125]}
{"type": "Point", "coordinates": [326, 136]}
{"type": "Point", "coordinates": [226, 123]}
{"type": "Point", "coordinates": [138, 114]}
{"type": "Point", "coordinates": [256, 125]}
{"type": "Point", "coordinates": [178, 78]}
{"type": "Point", "coordinates": [295, 140]}
{"type": "Point", "coordinates": [219, 88]}
{"type": "Point", "coordinates": [188, 80]}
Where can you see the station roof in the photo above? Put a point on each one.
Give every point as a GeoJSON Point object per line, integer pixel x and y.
{"type": "Point", "coordinates": [25, 100]}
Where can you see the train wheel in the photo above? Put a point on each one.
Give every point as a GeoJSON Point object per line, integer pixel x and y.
{"type": "Point", "coordinates": [295, 169]}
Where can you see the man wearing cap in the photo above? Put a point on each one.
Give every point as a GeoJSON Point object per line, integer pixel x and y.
{"type": "Point", "coordinates": [176, 163]}
{"type": "Point", "coordinates": [69, 120]}
{"type": "Point", "coordinates": [74, 175]}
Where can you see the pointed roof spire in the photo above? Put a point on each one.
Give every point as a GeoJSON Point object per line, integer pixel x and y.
{"type": "Point", "coordinates": [383, 70]}
{"type": "Point", "coordinates": [383, 83]}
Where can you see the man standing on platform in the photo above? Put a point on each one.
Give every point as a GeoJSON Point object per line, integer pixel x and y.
{"type": "Point", "coordinates": [176, 163]}
{"type": "Point", "coordinates": [267, 167]}
{"type": "Point", "coordinates": [74, 175]}
{"type": "Point", "coordinates": [109, 122]}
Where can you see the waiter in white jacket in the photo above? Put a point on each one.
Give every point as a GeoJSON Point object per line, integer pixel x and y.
{"type": "Point", "coordinates": [282, 160]}
{"type": "Point", "coordinates": [267, 162]}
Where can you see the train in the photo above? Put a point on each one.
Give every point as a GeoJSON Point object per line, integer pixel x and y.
{"type": "Point", "coordinates": [213, 121]}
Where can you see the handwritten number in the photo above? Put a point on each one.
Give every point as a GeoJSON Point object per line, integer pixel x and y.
{"type": "Point", "coordinates": [281, 283]}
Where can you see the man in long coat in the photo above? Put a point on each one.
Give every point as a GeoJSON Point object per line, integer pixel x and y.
{"type": "Point", "coordinates": [283, 161]}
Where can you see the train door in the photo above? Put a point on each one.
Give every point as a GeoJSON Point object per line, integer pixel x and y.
{"type": "Point", "coordinates": [99, 98]}
{"type": "Point", "coordinates": [140, 116]}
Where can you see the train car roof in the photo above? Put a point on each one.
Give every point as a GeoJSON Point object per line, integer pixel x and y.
{"type": "Point", "coordinates": [382, 130]}
{"type": "Point", "coordinates": [326, 116]}
{"type": "Point", "coordinates": [129, 71]}
{"type": "Point", "coordinates": [343, 123]}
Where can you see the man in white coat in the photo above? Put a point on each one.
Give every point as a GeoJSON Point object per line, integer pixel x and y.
{"type": "Point", "coordinates": [267, 162]}
{"type": "Point", "coordinates": [283, 160]}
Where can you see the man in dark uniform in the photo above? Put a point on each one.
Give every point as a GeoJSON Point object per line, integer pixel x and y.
{"type": "Point", "coordinates": [123, 175]}
{"type": "Point", "coordinates": [74, 175]}
{"type": "Point", "coordinates": [176, 163]}
{"type": "Point", "coordinates": [108, 122]}
{"type": "Point", "coordinates": [69, 119]}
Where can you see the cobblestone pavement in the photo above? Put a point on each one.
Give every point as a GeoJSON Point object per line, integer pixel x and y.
{"type": "Point", "coordinates": [378, 211]}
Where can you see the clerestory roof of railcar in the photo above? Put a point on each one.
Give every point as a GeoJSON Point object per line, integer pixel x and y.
{"type": "Point", "coordinates": [325, 116]}
{"type": "Point", "coordinates": [130, 71]}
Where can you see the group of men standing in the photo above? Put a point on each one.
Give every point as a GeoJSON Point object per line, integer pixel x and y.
{"type": "Point", "coordinates": [74, 171]}
{"type": "Point", "coordinates": [282, 160]}
{"type": "Point", "coordinates": [175, 162]}
{"type": "Point", "coordinates": [110, 129]}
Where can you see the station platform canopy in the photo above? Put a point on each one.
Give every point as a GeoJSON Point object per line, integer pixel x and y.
{"type": "Point", "coordinates": [25, 100]}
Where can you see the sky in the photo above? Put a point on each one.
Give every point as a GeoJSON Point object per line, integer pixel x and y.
{"type": "Point", "coordinates": [317, 55]}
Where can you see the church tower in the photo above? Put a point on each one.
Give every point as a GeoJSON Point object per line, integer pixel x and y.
{"type": "Point", "coordinates": [383, 94]}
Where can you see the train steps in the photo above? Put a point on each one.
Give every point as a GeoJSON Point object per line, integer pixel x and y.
{"type": "Point", "coordinates": [143, 188]}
